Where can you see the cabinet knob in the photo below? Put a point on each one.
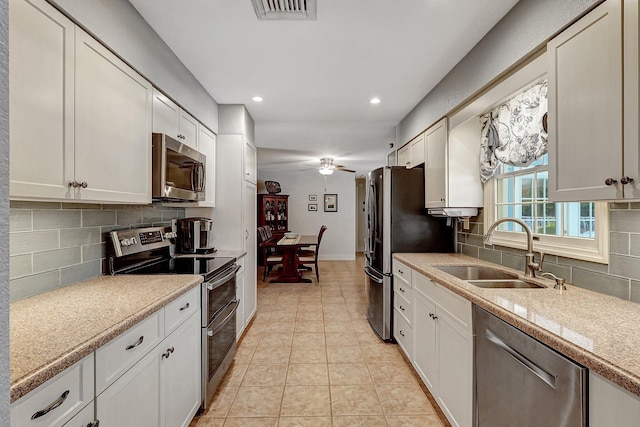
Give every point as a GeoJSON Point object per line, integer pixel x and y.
{"type": "Point", "coordinates": [442, 199]}
{"type": "Point", "coordinates": [402, 308]}
{"type": "Point", "coordinates": [84, 184]}
{"type": "Point", "coordinates": [626, 180]}
{"type": "Point", "coordinates": [400, 332]}
{"type": "Point", "coordinates": [610, 181]}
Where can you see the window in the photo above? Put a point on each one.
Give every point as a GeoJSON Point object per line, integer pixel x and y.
{"type": "Point", "coordinates": [575, 230]}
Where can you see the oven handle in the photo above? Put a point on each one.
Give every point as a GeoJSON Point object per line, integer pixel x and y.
{"type": "Point", "coordinates": [212, 285]}
{"type": "Point", "coordinates": [234, 303]}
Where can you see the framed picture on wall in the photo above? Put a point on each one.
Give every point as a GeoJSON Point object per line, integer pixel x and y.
{"type": "Point", "coordinates": [331, 203]}
{"type": "Point", "coordinates": [313, 198]}
{"type": "Point", "coordinates": [313, 207]}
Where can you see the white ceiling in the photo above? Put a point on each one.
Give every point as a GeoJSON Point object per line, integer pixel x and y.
{"type": "Point", "coordinates": [316, 77]}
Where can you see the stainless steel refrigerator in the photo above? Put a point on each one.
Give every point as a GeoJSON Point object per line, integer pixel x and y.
{"type": "Point", "coordinates": [397, 221]}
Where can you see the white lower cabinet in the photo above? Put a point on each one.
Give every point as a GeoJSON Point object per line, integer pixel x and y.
{"type": "Point", "coordinates": [443, 348]}
{"type": "Point", "coordinates": [84, 418]}
{"type": "Point", "coordinates": [59, 399]}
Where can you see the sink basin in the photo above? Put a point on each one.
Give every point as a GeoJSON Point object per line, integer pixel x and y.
{"type": "Point", "coordinates": [510, 283]}
{"type": "Point", "coordinates": [476, 272]}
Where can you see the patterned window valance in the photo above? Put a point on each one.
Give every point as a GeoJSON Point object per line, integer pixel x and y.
{"type": "Point", "coordinates": [514, 133]}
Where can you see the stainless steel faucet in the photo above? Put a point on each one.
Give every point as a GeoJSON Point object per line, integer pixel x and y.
{"type": "Point", "coordinates": [530, 266]}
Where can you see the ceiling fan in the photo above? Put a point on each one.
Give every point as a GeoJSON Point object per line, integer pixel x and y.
{"type": "Point", "coordinates": [327, 167]}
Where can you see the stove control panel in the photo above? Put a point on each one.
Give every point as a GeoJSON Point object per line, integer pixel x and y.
{"type": "Point", "coordinates": [132, 241]}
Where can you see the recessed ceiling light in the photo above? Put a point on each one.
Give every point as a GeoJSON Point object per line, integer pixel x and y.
{"type": "Point", "coordinates": [257, 98]}
{"type": "Point", "coordinates": [375, 100]}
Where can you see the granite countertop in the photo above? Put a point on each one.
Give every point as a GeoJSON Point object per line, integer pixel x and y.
{"type": "Point", "coordinates": [51, 331]}
{"type": "Point", "coordinates": [597, 331]}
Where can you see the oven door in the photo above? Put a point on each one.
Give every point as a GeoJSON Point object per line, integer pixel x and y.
{"type": "Point", "coordinates": [218, 292]}
{"type": "Point", "coordinates": [218, 349]}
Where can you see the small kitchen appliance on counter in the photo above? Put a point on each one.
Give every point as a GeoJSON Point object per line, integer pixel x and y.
{"type": "Point", "coordinates": [195, 236]}
{"type": "Point", "coordinates": [148, 251]}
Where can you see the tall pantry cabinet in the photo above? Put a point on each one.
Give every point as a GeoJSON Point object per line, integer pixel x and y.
{"type": "Point", "coordinates": [235, 212]}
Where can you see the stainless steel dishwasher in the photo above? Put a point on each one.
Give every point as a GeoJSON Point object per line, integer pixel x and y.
{"type": "Point", "coordinates": [522, 382]}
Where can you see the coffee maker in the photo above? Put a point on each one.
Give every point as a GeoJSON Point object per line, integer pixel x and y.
{"type": "Point", "coordinates": [195, 235]}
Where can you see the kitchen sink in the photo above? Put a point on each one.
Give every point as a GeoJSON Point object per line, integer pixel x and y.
{"type": "Point", "coordinates": [510, 283]}
{"type": "Point", "coordinates": [476, 272]}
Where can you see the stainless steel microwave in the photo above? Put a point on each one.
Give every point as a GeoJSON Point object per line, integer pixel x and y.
{"type": "Point", "coordinates": [179, 171]}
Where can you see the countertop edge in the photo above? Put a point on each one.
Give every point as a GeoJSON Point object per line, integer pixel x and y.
{"type": "Point", "coordinates": [593, 362]}
{"type": "Point", "coordinates": [34, 379]}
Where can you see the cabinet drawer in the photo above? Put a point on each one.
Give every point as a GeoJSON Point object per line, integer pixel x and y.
{"type": "Point", "coordinates": [403, 334]}
{"type": "Point", "coordinates": [116, 357]}
{"type": "Point", "coordinates": [458, 307]}
{"type": "Point", "coordinates": [403, 288]}
{"type": "Point", "coordinates": [180, 309]}
{"type": "Point", "coordinates": [403, 307]}
{"type": "Point", "coordinates": [73, 388]}
{"type": "Point", "coordinates": [401, 270]}
{"type": "Point", "coordinates": [84, 418]}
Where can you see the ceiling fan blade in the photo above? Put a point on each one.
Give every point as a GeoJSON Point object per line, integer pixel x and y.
{"type": "Point", "coordinates": [343, 169]}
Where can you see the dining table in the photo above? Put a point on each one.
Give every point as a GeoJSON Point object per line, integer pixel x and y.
{"type": "Point", "coordinates": [290, 263]}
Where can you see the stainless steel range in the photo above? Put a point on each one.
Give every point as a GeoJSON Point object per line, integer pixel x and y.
{"type": "Point", "coordinates": [148, 251]}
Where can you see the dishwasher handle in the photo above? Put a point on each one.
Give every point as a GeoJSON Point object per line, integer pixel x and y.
{"type": "Point", "coordinates": [545, 376]}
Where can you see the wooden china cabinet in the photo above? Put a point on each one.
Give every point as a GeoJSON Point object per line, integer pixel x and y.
{"type": "Point", "coordinates": [273, 211]}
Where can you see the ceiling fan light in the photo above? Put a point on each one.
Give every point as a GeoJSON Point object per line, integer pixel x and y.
{"type": "Point", "coordinates": [325, 171]}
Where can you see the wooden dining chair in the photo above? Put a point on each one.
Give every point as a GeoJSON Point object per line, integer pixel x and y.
{"type": "Point", "coordinates": [270, 254]}
{"type": "Point", "coordinates": [308, 257]}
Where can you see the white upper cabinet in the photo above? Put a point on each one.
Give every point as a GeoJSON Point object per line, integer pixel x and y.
{"type": "Point", "coordinates": [112, 126]}
{"type": "Point", "coordinates": [41, 69]}
{"type": "Point", "coordinates": [250, 162]}
{"type": "Point", "coordinates": [207, 146]}
{"type": "Point", "coordinates": [412, 154]}
{"type": "Point", "coordinates": [631, 159]}
{"type": "Point", "coordinates": [452, 172]}
{"type": "Point", "coordinates": [170, 119]}
{"type": "Point", "coordinates": [78, 114]}
{"type": "Point", "coordinates": [586, 142]}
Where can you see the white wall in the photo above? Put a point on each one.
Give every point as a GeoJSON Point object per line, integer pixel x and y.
{"type": "Point", "coordinates": [4, 214]}
{"type": "Point", "coordinates": [338, 242]}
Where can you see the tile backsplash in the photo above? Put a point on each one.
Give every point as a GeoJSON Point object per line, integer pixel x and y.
{"type": "Point", "coordinates": [57, 244]}
{"type": "Point", "coordinates": [621, 278]}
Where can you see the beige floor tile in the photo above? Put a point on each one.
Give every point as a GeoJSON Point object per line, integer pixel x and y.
{"type": "Point", "coordinates": [306, 401]}
{"type": "Point", "coordinates": [359, 421]}
{"type": "Point", "coordinates": [333, 299]}
{"type": "Point", "coordinates": [308, 355]}
{"type": "Point", "coordinates": [414, 421]}
{"type": "Point", "coordinates": [311, 315]}
{"type": "Point", "coordinates": [234, 375]}
{"type": "Point", "coordinates": [244, 354]}
{"type": "Point", "coordinates": [341, 338]}
{"type": "Point", "coordinates": [256, 402]}
{"type": "Point", "coordinates": [250, 340]}
{"type": "Point", "coordinates": [349, 374]}
{"type": "Point", "coordinates": [221, 402]}
{"type": "Point", "coordinates": [308, 339]}
{"type": "Point", "coordinates": [354, 400]}
{"type": "Point", "coordinates": [345, 354]}
{"type": "Point", "coordinates": [391, 373]}
{"type": "Point", "coordinates": [305, 422]}
{"type": "Point", "coordinates": [368, 338]}
{"type": "Point", "coordinates": [307, 374]}
{"type": "Point", "coordinates": [331, 326]}
{"type": "Point", "coordinates": [273, 339]}
{"type": "Point", "coordinates": [265, 374]}
{"type": "Point", "coordinates": [309, 326]}
{"type": "Point", "coordinates": [403, 399]}
{"type": "Point", "coordinates": [381, 353]}
{"type": "Point", "coordinates": [361, 325]}
{"type": "Point", "coordinates": [271, 354]}
{"type": "Point", "coordinates": [251, 422]}
{"type": "Point", "coordinates": [283, 316]}
{"type": "Point", "coordinates": [280, 326]}
{"type": "Point", "coordinates": [204, 421]}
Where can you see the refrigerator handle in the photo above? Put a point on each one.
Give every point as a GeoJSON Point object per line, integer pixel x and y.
{"type": "Point", "coordinates": [372, 275]}
{"type": "Point", "coordinates": [374, 218]}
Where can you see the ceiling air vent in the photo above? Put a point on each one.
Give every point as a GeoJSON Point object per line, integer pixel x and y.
{"type": "Point", "coordinates": [285, 10]}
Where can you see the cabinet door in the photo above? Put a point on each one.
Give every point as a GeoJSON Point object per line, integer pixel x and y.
{"type": "Point", "coordinates": [404, 156]}
{"type": "Point", "coordinates": [455, 370]}
{"type": "Point", "coordinates": [84, 418]}
{"type": "Point", "coordinates": [189, 130]}
{"type": "Point", "coordinates": [403, 333]}
{"type": "Point", "coordinates": [240, 279]}
{"type": "Point", "coordinates": [207, 146]}
{"type": "Point", "coordinates": [435, 174]}
{"type": "Point", "coordinates": [112, 126]}
{"type": "Point", "coordinates": [250, 162]}
{"type": "Point", "coordinates": [181, 379]}
{"type": "Point", "coordinates": [424, 347]}
{"type": "Point", "coordinates": [166, 115]}
{"type": "Point", "coordinates": [585, 107]}
{"type": "Point", "coordinates": [251, 243]}
{"type": "Point", "coordinates": [134, 399]}
{"type": "Point", "coordinates": [41, 70]}
{"type": "Point", "coordinates": [416, 150]}
{"type": "Point", "coordinates": [631, 97]}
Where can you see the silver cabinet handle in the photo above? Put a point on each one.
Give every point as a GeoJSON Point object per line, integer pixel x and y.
{"type": "Point", "coordinates": [626, 180]}
{"type": "Point", "coordinates": [401, 290]}
{"type": "Point", "coordinates": [184, 307]}
{"type": "Point", "coordinates": [135, 344]}
{"type": "Point", "coordinates": [402, 308]}
{"type": "Point", "coordinates": [95, 423]}
{"type": "Point", "coordinates": [610, 181]}
{"type": "Point", "coordinates": [53, 405]}
{"type": "Point", "coordinates": [400, 332]}
{"type": "Point", "coordinates": [76, 184]}
{"type": "Point", "coordinates": [529, 364]}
